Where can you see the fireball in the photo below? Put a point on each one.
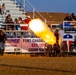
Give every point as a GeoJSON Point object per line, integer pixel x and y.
{"type": "Point", "coordinates": [41, 30]}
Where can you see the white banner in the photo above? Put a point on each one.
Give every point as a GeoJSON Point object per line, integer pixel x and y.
{"type": "Point", "coordinates": [32, 45]}
{"type": "Point", "coordinates": [24, 45]}
{"type": "Point", "coordinates": [13, 45]}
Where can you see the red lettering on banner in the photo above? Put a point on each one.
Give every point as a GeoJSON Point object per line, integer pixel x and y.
{"type": "Point", "coordinates": [41, 45]}
{"type": "Point", "coordinates": [37, 45]}
{"type": "Point", "coordinates": [34, 45]}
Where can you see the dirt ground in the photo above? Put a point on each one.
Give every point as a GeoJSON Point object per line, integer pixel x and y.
{"type": "Point", "coordinates": [11, 64]}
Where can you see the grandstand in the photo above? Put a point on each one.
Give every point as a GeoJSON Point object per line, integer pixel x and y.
{"type": "Point", "coordinates": [16, 9]}
{"type": "Point", "coordinates": [13, 9]}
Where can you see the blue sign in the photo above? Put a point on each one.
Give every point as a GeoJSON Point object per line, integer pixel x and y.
{"type": "Point", "coordinates": [68, 36]}
{"type": "Point", "coordinates": [67, 24]}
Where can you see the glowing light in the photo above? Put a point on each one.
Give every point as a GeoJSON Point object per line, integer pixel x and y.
{"type": "Point", "coordinates": [60, 40]}
{"type": "Point", "coordinates": [41, 30]}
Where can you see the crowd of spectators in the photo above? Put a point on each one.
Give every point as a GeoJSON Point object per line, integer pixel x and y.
{"type": "Point", "coordinates": [70, 24]}
{"type": "Point", "coordinates": [70, 17]}
{"type": "Point", "coordinates": [16, 24]}
{"type": "Point", "coordinates": [20, 24]}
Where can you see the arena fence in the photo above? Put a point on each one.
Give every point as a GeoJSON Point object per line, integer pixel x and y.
{"type": "Point", "coordinates": [25, 41]}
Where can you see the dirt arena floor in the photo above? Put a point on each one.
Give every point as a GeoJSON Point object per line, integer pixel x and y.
{"type": "Point", "coordinates": [11, 64]}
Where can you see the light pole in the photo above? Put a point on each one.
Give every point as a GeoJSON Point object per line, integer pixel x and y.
{"type": "Point", "coordinates": [24, 5]}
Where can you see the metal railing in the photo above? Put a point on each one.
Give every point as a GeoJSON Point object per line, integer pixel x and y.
{"type": "Point", "coordinates": [69, 26]}
{"type": "Point", "coordinates": [20, 3]}
{"type": "Point", "coordinates": [28, 7]}
{"type": "Point", "coordinates": [16, 30]}
{"type": "Point", "coordinates": [35, 13]}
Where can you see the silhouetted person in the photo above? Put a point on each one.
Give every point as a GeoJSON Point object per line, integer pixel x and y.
{"type": "Point", "coordinates": [68, 17]}
{"type": "Point", "coordinates": [73, 16]}
{"type": "Point", "coordinates": [2, 42]}
{"type": "Point", "coordinates": [0, 10]}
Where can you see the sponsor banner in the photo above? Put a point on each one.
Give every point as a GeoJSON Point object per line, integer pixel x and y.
{"type": "Point", "coordinates": [70, 38]}
{"type": "Point", "coordinates": [24, 45]}
{"type": "Point", "coordinates": [32, 45]}
{"type": "Point", "coordinates": [13, 45]}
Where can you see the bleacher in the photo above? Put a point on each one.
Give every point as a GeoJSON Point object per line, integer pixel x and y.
{"type": "Point", "coordinates": [13, 8]}
{"type": "Point", "coordinates": [15, 12]}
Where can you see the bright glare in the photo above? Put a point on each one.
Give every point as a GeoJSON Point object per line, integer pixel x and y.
{"type": "Point", "coordinates": [41, 30]}
{"type": "Point", "coordinates": [36, 25]}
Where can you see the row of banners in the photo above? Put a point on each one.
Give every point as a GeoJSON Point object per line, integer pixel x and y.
{"type": "Point", "coordinates": [32, 45]}
{"type": "Point", "coordinates": [24, 45]}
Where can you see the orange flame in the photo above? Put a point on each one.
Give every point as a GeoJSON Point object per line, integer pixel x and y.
{"type": "Point", "coordinates": [41, 30]}
{"type": "Point", "coordinates": [60, 40]}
